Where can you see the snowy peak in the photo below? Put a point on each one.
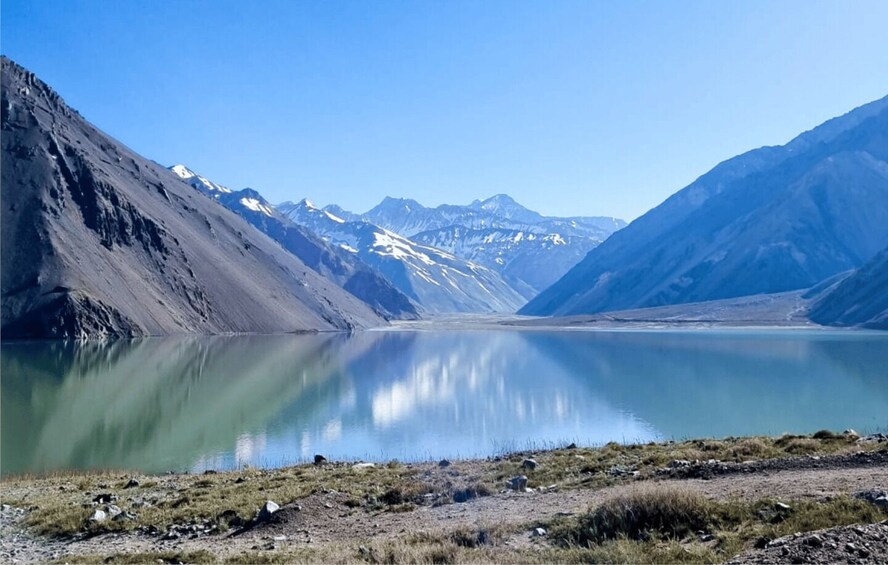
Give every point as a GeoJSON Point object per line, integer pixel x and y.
{"type": "Point", "coordinates": [201, 183]}
{"type": "Point", "coordinates": [183, 172]}
{"type": "Point", "coordinates": [505, 206]}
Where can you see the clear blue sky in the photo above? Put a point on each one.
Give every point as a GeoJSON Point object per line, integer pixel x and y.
{"type": "Point", "coordinates": [570, 107]}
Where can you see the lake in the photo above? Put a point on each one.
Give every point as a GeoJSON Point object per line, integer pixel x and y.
{"type": "Point", "coordinates": [197, 403]}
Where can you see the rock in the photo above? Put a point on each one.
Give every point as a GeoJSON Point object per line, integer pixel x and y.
{"type": "Point", "coordinates": [123, 517]}
{"type": "Point", "coordinates": [133, 483]}
{"type": "Point", "coordinates": [363, 465]}
{"type": "Point", "coordinates": [518, 483]}
{"type": "Point", "coordinates": [280, 538]}
{"type": "Point", "coordinates": [171, 535]}
{"type": "Point", "coordinates": [210, 472]}
{"type": "Point", "coordinates": [240, 480]}
{"type": "Point", "coordinates": [320, 460]}
{"type": "Point", "coordinates": [571, 446]}
{"type": "Point", "coordinates": [112, 510]}
{"type": "Point", "coordinates": [678, 463]}
{"type": "Point", "coordinates": [98, 516]}
{"type": "Point", "coordinates": [876, 497]}
{"type": "Point", "coordinates": [814, 541]}
{"type": "Point", "coordinates": [780, 506]}
{"type": "Point", "coordinates": [268, 509]}
{"type": "Point", "coordinates": [444, 463]}
{"type": "Point", "coordinates": [529, 464]}
{"type": "Point", "coordinates": [851, 434]}
{"type": "Point", "coordinates": [850, 547]}
{"type": "Point", "coordinates": [538, 532]}
{"type": "Point", "coordinates": [105, 498]}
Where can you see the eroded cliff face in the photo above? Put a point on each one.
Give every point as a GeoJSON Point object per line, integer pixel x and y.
{"type": "Point", "coordinates": [99, 242]}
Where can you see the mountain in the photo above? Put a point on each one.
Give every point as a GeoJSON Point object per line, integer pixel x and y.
{"type": "Point", "coordinates": [438, 281]}
{"type": "Point", "coordinates": [408, 217]}
{"type": "Point", "coordinates": [528, 261]}
{"type": "Point", "coordinates": [332, 262]}
{"type": "Point", "coordinates": [529, 250]}
{"type": "Point", "coordinates": [771, 220]}
{"type": "Point", "coordinates": [98, 241]}
{"type": "Point", "coordinates": [861, 299]}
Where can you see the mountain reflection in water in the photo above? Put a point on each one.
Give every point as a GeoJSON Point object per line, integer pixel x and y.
{"type": "Point", "coordinates": [221, 402]}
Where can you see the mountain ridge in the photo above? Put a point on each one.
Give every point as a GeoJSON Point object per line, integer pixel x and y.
{"type": "Point", "coordinates": [765, 221]}
{"type": "Point", "coordinates": [99, 242]}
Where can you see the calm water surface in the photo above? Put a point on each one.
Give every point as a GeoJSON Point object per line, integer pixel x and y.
{"type": "Point", "coordinates": [222, 402]}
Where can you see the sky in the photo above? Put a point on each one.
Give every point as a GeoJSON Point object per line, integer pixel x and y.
{"type": "Point", "coordinates": [572, 108]}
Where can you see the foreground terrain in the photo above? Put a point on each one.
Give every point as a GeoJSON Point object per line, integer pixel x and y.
{"type": "Point", "coordinates": [739, 500]}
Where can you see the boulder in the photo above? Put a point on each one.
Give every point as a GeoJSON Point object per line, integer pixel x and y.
{"type": "Point", "coordinates": [98, 516]}
{"type": "Point", "coordinates": [320, 460]}
{"type": "Point", "coordinates": [518, 483]}
{"type": "Point", "coordinates": [529, 464]}
{"type": "Point", "coordinates": [267, 511]}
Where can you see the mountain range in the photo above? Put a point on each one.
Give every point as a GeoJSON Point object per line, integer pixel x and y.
{"type": "Point", "coordinates": [98, 241]}
{"type": "Point", "coordinates": [437, 280]}
{"type": "Point", "coordinates": [771, 220]}
{"type": "Point", "coordinates": [331, 261]}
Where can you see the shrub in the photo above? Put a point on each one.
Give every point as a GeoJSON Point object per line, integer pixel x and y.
{"type": "Point", "coordinates": [668, 511]}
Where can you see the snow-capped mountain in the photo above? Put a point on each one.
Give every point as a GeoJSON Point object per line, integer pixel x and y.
{"type": "Point", "coordinates": [197, 181]}
{"type": "Point", "coordinates": [528, 261]}
{"type": "Point", "coordinates": [529, 250]}
{"type": "Point", "coordinates": [342, 267]}
{"type": "Point", "coordinates": [439, 281]}
{"type": "Point", "coordinates": [408, 218]}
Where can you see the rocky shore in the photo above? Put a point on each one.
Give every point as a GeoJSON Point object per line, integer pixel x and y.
{"type": "Point", "coordinates": [739, 500]}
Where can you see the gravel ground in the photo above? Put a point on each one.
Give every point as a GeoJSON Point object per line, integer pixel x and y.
{"type": "Point", "coordinates": [324, 518]}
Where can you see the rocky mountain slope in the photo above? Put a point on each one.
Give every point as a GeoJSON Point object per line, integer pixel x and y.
{"type": "Point", "coordinates": [333, 262]}
{"type": "Point", "coordinates": [438, 281]}
{"type": "Point", "coordinates": [98, 241]}
{"type": "Point", "coordinates": [770, 220]}
{"type": "Point", "coordinates": [861, 299]}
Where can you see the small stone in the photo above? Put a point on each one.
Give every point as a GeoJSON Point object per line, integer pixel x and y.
{"type": "Point", "coordinates": [113, 510]}
{"type": "Point", "coordinates": [268, 509]}
{"type": "Point", "coordinates": [210, 472]}
{"type": "Point", "coordinates": [320, 460]}
{"type": "Point", "coordinates": [571, 446]}
{"type": "Point", "coordinates": [363, 465]}
{"type": "Point", "coordinates": [783, 507]}
{"type": "Point", "coordinates": [105, 498]}
{"type": "Point", "coordinates": [850, 547]}
{"type": "Point", "coordinates": [240, 480]}
{"type": "Point", "coordinates": [704, 537]}
{"type": "Point", "coordinates": [123, 517]}
{"type": "Point", "coordinates": [538, 532]}
{"type": "Point", "coordinates": [98, 516]}
{"type": "Point", "coordinates": [529, 464]}
{"type": "Point", "coordinates": [814, 541]}
{"type": "Point", "coordinates": [851, 434]}
{"type": "Point", "coordinates": [518, 483]}
{"type": "Point", "coordinates": [444, 463]}
{"type": "Point", "coordinates": [133, 483]}
{"type": "Point", "coordinates": [280, 538]}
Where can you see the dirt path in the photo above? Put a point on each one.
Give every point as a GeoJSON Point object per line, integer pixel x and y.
{"type": "Point", "coordinates": [323, 518]}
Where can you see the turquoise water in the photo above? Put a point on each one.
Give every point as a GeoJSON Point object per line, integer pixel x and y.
{"type": "Point", "coordinates": [221, 402]}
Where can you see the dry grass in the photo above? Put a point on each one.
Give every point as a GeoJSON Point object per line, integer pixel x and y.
{"type": "Point", "coordinates": [646, 511]}
{"type": "Point", "coordinates": [61, 503]}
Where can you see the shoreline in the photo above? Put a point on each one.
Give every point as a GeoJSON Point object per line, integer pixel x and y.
{"type": "Point", "coordinates": [328, 512]}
